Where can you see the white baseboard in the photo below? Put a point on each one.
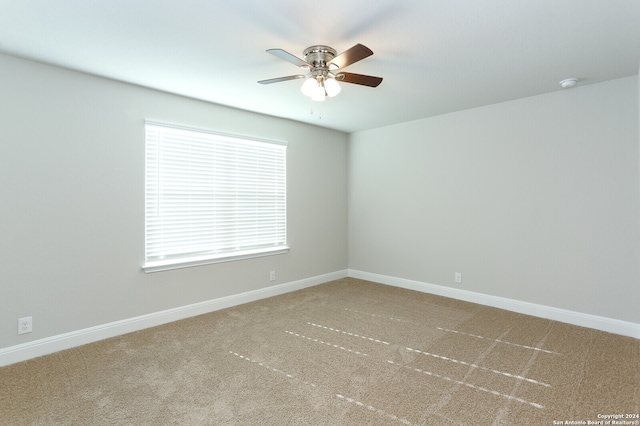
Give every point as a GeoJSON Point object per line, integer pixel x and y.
{"type": "Point", "coordinates": [48, 345]}
{"type": "Point", "coordinates": [610, 325]}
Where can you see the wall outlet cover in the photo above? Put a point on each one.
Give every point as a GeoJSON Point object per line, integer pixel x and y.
{"type": "Point", "coordinates": [25, 325]}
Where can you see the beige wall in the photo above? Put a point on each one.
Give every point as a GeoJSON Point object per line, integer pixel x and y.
{"type": "Point", "coordinates": [535, 200]}
{"type": "Point", "coordinates": [72, 191]}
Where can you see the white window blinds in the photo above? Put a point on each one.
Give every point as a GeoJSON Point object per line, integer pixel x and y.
{"type": "Point", "coordinates": [211, 197]}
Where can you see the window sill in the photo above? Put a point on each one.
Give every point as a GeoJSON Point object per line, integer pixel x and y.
{"type": "Point", "coordinates": [166, 265]}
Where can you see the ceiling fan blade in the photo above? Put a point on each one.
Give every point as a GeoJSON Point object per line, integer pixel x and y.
{"type": "Point", "coordinates": [352, 55]}
{"type": "Point", "coordinates": [363, 80]}
{"type": "Point", "coordinates": [283, 54]}
{"type": "Point", "coordinates": [279, 79]}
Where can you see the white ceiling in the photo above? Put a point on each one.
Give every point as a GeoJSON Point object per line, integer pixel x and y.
{"type": "Point", "coordinates": [436, 56]}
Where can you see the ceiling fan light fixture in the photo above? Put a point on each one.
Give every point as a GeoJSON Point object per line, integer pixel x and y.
{"type": "Point", "coordinates": [314, 88]}
{"type": "Point", "coordinates": [318, 93]}
{"type": "Point", "coordinates": [309, 87]}
{"type": "Point", "coordinates": [332, 87]}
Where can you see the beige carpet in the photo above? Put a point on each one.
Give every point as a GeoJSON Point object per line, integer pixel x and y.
{"type": "Point", "coordinates": [349, 352]}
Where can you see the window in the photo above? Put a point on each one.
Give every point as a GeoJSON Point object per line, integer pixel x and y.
{"type": "Point", "coordinates": [211, 197]}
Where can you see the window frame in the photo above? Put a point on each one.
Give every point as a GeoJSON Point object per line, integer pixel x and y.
{"type": "Point", "coordinates": [155, 263]}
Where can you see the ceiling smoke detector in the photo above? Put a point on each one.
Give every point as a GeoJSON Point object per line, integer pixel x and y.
{"type": "Point", "coordinates": [569, 82]}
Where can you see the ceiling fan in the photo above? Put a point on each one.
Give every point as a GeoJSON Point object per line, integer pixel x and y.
{"type": "Point", "coordinates": [324, 70]}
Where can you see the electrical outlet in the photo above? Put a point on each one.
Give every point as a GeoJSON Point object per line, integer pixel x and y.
{"type": "Point", "coordinates": [25, 325]}
{"type": "Point", "coordinates": [458, 278]}
{"type": "Point", "coordinates": [272, 276]}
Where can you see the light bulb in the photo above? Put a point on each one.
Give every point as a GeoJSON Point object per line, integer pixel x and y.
{"type": "Point", "coordinates": [309, 86]}
{"type": "Point", "coordinates": [318, 93]}
{"type": "Point", "coordinates": [332, 87]}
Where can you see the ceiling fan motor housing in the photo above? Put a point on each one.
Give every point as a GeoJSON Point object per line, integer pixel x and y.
{"type": "Point", "coordinates": [319, 56]}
